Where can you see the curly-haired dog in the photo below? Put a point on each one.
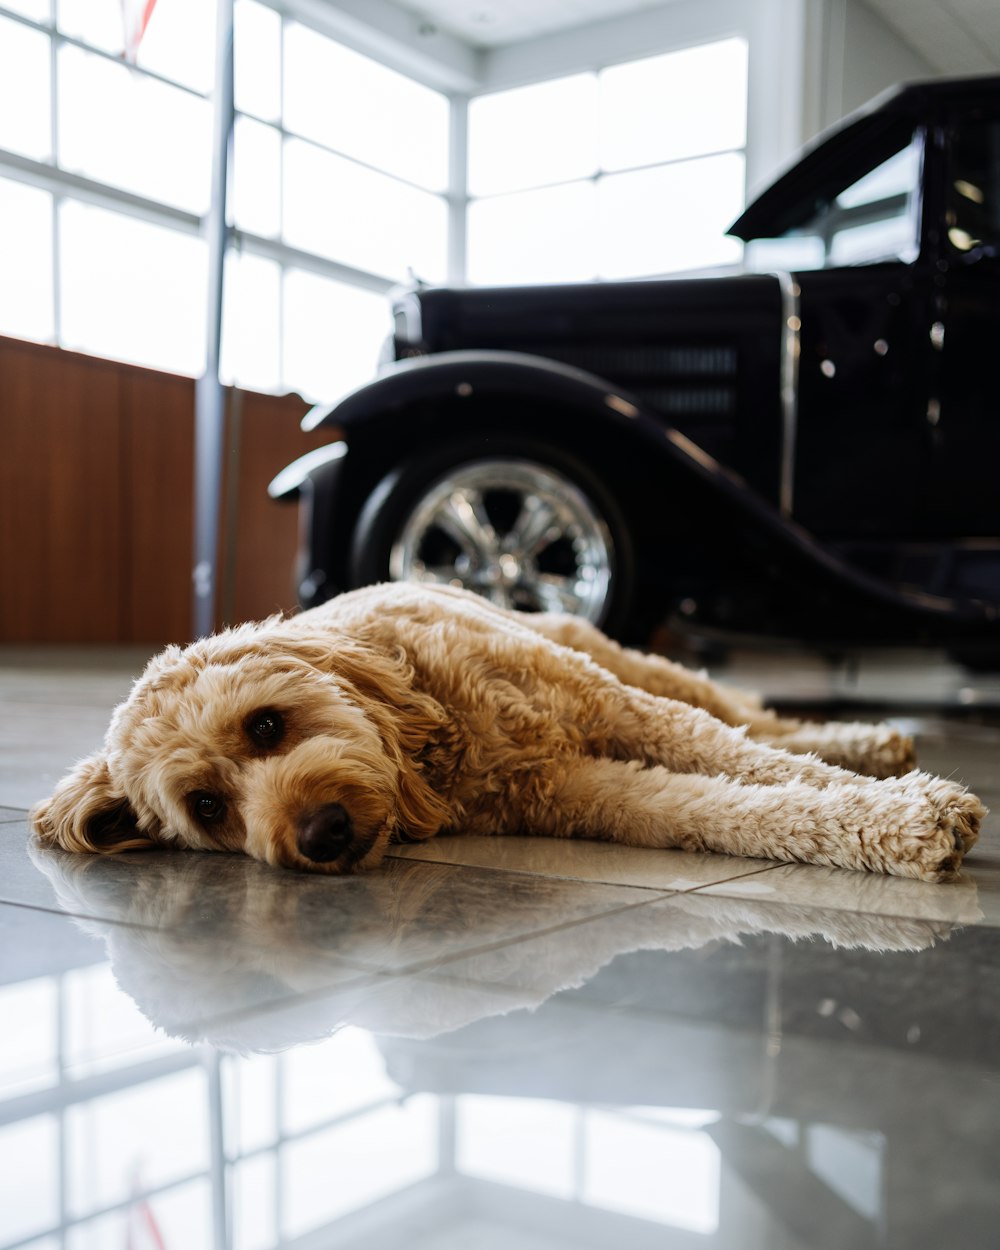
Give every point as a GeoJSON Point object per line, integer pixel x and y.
{"type": "Point", "coordinates": [400, 711]}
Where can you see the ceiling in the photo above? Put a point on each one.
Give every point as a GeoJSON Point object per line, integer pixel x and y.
{"type": "Point", "coordinates": [953, 36]}
{"type": "Point", "coordinates": [493, 23]}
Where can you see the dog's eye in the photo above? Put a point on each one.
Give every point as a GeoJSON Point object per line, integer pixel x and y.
{"type": "Point", "coordinates": [266, 727]}
{"type": "Point", "coordinates": [208, 807]}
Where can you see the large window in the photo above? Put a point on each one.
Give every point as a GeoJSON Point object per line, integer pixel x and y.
{"type": "Point", "coordinates": [340, 185]}
{"type": "Point", "coordinates": [106, 184]}
{"type": "Point", "coordinates": [630, 171]}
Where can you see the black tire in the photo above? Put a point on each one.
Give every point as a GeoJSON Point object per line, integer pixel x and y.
{"type": "Point", "coordinates": [403, 529]}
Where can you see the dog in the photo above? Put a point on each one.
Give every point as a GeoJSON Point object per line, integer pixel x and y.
{"type": "Point", "coordinates": [401, 711]}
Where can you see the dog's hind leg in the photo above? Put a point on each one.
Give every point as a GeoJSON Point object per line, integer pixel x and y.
{"type": "Point", "coordinates": [876, 750]}
{"type": "Point", "coordinates": [653, 673]}
{"type": "Point", "coordinates": [848, 826]}
{"type": "Point", "coordinates": [626, 723]}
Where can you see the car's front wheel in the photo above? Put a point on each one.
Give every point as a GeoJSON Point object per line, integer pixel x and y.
{"type": "Point", "coordinates": [522, 524]}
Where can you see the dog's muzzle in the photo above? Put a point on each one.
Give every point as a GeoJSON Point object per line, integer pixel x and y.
{"type": "Point", "coordinates": [325, 833]}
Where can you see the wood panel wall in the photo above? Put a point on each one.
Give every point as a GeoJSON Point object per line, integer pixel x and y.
{"type": "Point", "coordinates": [96, 500]}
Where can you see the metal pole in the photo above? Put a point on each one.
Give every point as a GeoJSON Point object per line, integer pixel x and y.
{"type": "Point", "coordinates": [209, 403]}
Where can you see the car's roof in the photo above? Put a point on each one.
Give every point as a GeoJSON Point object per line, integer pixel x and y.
{"type": "Point", "coordinates": [821, 167]}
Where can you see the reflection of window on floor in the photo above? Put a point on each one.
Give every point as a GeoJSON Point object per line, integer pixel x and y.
{"type": "Point", "coordinates": [850, 1163]}
{"type": "Point", "coordinates": [650, 1163]}
{"type": "Point", "coordinates": [128, 1131]}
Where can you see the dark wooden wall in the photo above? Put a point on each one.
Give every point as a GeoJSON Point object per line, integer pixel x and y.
{"type": "Point", "coordinates": [96, 500]}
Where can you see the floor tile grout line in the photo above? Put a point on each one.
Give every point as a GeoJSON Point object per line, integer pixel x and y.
{"type": "Point", "coordinates": [424, 966]}
{"type": "Point", "coordinates": [559, 876]}
{"type": "Point", "coordinates": [433, 965]}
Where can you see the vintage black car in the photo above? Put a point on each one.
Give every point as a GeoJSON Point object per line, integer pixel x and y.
{"type": "Point", "coordinates": [809, 450]}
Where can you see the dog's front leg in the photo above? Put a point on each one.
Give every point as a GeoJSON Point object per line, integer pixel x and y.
{"type": "Point", "coordinates": [849, 826]}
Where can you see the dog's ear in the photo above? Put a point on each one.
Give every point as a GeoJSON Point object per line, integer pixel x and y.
{"type": "Point", "coordinates": [411, 724]}
{"type": "Point", "coordinates": [87, 812]}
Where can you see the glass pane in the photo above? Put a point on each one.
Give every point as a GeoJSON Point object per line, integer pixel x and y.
{"type": "Point", "coordinates": [161, 1125]}
{"type": "Point", "coordinates": [133, 132]}
{"type": "Point", "coordinates": [874, 218]}
{"type": "Point", "coordinates": [179, 1217]}
{"type": "Point", "coordinates": [132, 291]}
{"type": "Point", "coordinates": [29, 1196]}
{"type": "Point", "coordinates": [656, 1173]}
{"type": "Point", "coordinates": [850, 1163]}
{"type": "Point", "coordinates": [533, 135]}
{"type": "Point", "coordinates": [871, 241]}
{"type": "Point", "coordinates": [899, 175]}
{"type": "Point", "coordinates": [26, 262]}
{"type": "Point", "coordinates": [257, 177]}
{"type": "Point", "coordinates": [365, 110]}
{"type": "Point", "coordinates": [254, 1203]}
{"type": "Point", "coordinates": [251, 323]}
{"type": "Point", "coordinates": [104, 1027]}
{"type": "Point", "coordinates": [668, 107]}
{"type": "Point", "coordinates": [344, 1168]}
{"type": "Point", "coordinates": [332, 335]}
{"type": "Point", "coordinates": [97, 22]}
{"type": "Point", "coordinates": [29, 1040]}
{"type": "Point", "coordinates": [341, 210]}
{"type": "Point", "coordinates": [536, 236]}
{"type": "Point", "coordinates": [37, 10]}
{"type": "Point", "coordinates": [179, 43]}
{"type": "Point", "coordinates": [524, 1142]}
{"type": "Point", "coordinates": [312, 1091]}
{"type": "Point", "coordinates": [25, 115]}
{"type": "Point", "coordinates": [670, 219]}
{"type": "Point", "coordinates": [257, 59]}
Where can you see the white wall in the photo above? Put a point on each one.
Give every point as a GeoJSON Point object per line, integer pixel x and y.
{"type": "Point", "coordinates": [850, 55]}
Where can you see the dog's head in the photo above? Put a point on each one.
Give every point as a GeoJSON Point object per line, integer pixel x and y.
{"type": "Point", "coordinates": [297, 748]}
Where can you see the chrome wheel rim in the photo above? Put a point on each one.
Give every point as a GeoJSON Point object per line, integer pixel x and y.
{"type": "Point", "coordinates": [518, 533]}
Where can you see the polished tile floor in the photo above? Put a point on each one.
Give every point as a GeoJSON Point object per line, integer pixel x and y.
{"type": "Point", "coordinates": [505, 1044]}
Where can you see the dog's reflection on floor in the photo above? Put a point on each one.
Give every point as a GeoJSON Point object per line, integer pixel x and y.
{"type": "Point", "coordinates": [223, 950]}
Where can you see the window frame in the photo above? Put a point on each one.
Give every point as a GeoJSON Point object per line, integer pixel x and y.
{"type": "Point", "coordinates": [774, 110]}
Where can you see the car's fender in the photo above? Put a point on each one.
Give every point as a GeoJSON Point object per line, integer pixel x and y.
{"type": "Point", "coordinates": [372, 413]}
{"type": "Point", "coordinates": [471, 376]}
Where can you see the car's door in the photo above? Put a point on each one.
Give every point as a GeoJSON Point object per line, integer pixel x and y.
{"type": "Point", "coordinates": [864, 357]}
{"type": "Point", "coordinates": [963, 499]}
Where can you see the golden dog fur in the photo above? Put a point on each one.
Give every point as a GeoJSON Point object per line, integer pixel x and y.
{"type": "Point", "coordinates": [397, 712]}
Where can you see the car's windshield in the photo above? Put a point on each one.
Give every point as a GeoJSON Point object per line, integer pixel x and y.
{"type": "Point", "coordinates": [875, 217]}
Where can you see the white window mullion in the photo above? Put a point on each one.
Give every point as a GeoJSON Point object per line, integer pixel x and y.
{"type": "Point", "coordinates": [458, 188]}
{"type": "Point", "coordinates": [56, 197]}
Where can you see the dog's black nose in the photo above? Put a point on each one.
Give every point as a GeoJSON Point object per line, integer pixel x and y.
{"type": "Point", "coordinates": [325, 833]}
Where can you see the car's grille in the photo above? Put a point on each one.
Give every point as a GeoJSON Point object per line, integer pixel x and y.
{"type": "Point", "coordinates": [688, 401]}
{"type": "Point", "coordinates": [679, 381]}
{"type": "Point", "coordinates": [618, 363]}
